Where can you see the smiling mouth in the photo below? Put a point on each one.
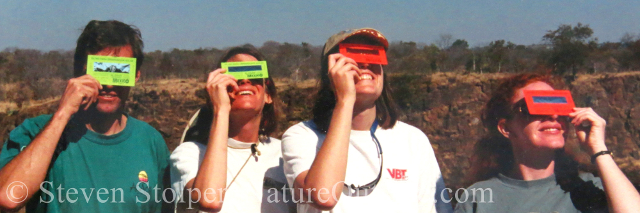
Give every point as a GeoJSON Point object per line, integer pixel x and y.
{"type": "Point", "coordinates": [246, 92]}
{"type": "Point", "coordinates": [365, 77]}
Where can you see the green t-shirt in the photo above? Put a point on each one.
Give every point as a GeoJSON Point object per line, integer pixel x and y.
{"type": "Point", "coordinates": [91, 172]}
{"type": "Point", "coordinates": [504, 194]}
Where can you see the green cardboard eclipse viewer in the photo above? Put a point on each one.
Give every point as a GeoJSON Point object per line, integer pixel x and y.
{"type": "Point", "coordinates": [246, 69]}
{"type": "Point", "coordinates": [116, 71]}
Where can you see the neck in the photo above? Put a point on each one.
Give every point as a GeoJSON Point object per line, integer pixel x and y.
{"type": "Point", "coordinates": [533, 165]}
{"type": "Point", "coordinates": [243, 127]}
{"type": "Point", "coordinates": [106, 124]}
{"type": "Point", "coordinates": [363, 117]}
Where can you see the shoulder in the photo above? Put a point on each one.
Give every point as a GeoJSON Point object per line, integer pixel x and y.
{"type": "Point", "coordinates": [305, 131]}
{"type": "Point", "coordinates": [589, 177]}
{"type": "Point", "coordinates": [29, 128]}
{"type": "Point", "coordinates": [408, 129]}
{"type": "Point", "coordinates": [142, 126]}
{"type": "Point", "coordinates": [301, 128]}
{"type": "Point", "coordinates": [36, 123]}
{"type": "Point", "coordinates": [490, 183]}
{"type": "Point", "coordinates": [189, 148]}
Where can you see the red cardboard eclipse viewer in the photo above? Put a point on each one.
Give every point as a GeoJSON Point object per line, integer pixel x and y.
{"type": "Point", "coordinates": [363, 53]}
{"type": "Point", "coordinates": [549, 102]}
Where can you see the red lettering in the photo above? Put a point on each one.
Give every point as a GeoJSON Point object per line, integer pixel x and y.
{"type": "Point", "coordinates": [392, 172]}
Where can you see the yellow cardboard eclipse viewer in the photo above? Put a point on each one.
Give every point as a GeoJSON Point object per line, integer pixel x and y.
{"type": "Point", "coordinates": [246, 69]}
{"type": "Point", "coordinates": [116, 71]}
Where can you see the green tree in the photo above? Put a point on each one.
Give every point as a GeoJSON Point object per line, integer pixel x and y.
{"type": "Point", "coordinates": [571, 47]}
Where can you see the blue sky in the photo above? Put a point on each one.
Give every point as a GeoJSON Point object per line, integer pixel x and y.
{"type": "Point", "coordinates": [186, 24]}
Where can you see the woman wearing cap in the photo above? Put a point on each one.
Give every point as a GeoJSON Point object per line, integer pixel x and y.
{"type": "Point", "coordinates": [524, 163]}
{"type": "Point", "coordinates": [228, 158]}
{"type": "Point", "coordinates": [354, 156]}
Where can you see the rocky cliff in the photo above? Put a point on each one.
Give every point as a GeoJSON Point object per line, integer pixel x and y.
{"type": "Point", "coordinates": [445, 106]}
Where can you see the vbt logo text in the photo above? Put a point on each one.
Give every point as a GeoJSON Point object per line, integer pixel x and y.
{"type": "Point", "coordinates": [398, 174]}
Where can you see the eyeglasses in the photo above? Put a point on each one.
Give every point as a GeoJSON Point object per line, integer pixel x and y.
{"type": "Point", "coordinates": [367, 187]}
{"type": "Point", "coordinates": [521, 108]}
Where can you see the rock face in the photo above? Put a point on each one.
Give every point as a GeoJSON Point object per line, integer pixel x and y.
{"type": "Point", "coordinates": [445, 106]}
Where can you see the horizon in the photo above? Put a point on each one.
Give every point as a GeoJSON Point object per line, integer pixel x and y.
{"type": "Point", "coordinates": [187, 26]}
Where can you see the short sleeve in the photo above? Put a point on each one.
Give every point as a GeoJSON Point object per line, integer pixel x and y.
{"type": "Point", "coordinates": [299, 147]}
{"type": "Point", "coordinates": [185, 162]}
{"type": "Point", "coordinates": [21, 137]}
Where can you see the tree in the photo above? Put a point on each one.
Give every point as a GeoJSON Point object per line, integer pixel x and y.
{"type": "Point", "coordinates": [571, 47]}
{"type": "Point", "coordinates": [444, 42]}
{"type": "Point", "coordinates": [460, 44]}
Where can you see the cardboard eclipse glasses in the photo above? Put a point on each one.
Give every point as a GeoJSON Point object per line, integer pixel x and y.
{"type": "Point", "coordinates": [549, 102]}
{"type": "Point", "coordinates": [246, 69]}
{"type": "Point", "coordinates": [363, 53]}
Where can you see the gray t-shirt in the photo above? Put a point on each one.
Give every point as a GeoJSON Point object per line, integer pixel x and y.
{"type": "Point", "coordinates": [504, 194]}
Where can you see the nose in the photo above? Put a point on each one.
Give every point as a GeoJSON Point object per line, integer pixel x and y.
{"type": "Point", "coordinates": [363, 65]}
{"type": "Point", "coordinates": [243, 81]}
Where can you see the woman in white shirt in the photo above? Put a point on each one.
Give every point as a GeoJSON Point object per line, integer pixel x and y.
{"type": "Point", "coordinates": [228, 157]}
{"type": "Point", "coordinates": [335, 162]}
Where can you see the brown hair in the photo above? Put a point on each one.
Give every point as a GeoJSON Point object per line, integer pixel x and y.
{"type": "Point", "coordinates": [98, 35]}
{"type": "Point", "coordinates": [270, 112]}
{"type": "Point", "coordinates": [386, 110]}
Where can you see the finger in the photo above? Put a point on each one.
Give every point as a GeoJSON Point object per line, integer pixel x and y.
{"type": "Point", "coordinates": [577, 110]}
{"type": "Point", "coordinates": [333, 58]}
{"type": "Point", "coordinates": [350, 67]}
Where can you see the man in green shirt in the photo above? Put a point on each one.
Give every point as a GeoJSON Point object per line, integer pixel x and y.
{"type": "Point", "coordinates": [89, 156]}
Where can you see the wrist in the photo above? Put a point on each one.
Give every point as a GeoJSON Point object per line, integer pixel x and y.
{"type": "Point", "coordinates": [597, 149]}
{"type": "Point", "coordinates": [62, 114]}
{"type": "Point", "coordinates": [221, 109]}
{"type": "Point", "coordinates": [598, 154]}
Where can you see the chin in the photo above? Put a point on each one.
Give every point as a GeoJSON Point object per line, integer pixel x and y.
{"type": "Point", "coordinates": [553, 143]}
{"type": "Point", "coordinates": [109, 108]}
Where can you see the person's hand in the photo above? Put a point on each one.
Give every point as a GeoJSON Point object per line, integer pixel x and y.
{"type": "Point", "coordinates": [80, 91]}
{"type": "Point", "coordinates": [342, 73]}
{"type": "Point", "coordinates": [590, 128]}
{"type": "Point", "coordinates": [217, 86]}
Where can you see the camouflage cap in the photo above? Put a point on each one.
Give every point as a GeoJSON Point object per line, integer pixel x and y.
{"type": "Point", "coordinates": [335, 39]}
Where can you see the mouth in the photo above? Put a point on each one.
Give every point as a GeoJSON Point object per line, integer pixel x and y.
{"type": "Point", "coordinates": [556, 128]}
{"type": "Point", "coordinates": [108, 96]}
{"type": "Point", "coordinates": [245, 92]}
{"type": "Point", "coordinates": [365, 77]}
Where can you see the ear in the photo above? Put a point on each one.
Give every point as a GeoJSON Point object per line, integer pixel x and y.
{"type": "Point", "coordinates": [137, 75]}
{"type": "Point", "coordinates": [502, 128]}
{"type": "Point", "coordinates": [267, 98]}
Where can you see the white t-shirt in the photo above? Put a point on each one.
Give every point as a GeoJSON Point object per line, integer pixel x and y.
{"type": "Point", "coordinates": [258, 187]}
{"type": "Point", "coordinates": [411, 180]}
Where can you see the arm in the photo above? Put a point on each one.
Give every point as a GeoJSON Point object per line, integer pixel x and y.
{"type": "Point", "coordinates": [330, 165]}
{"type": "Point", "coordinates": [30, 166]}
{"type": "Point", "coordinates": [621, 194]}
{"type": "Point", "coordinates": [209, 185]}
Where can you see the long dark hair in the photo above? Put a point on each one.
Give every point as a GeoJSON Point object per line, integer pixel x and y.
{"type": "Point", "coordinates": [493, 154]}
{"type": "Point", "coordinates": [270, 112]}
{"type": "Point", "coordinates": [386, 110]}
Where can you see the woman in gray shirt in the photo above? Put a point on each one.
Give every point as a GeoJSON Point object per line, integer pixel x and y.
{"type": "Point", "coordinates": [521, 166]}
